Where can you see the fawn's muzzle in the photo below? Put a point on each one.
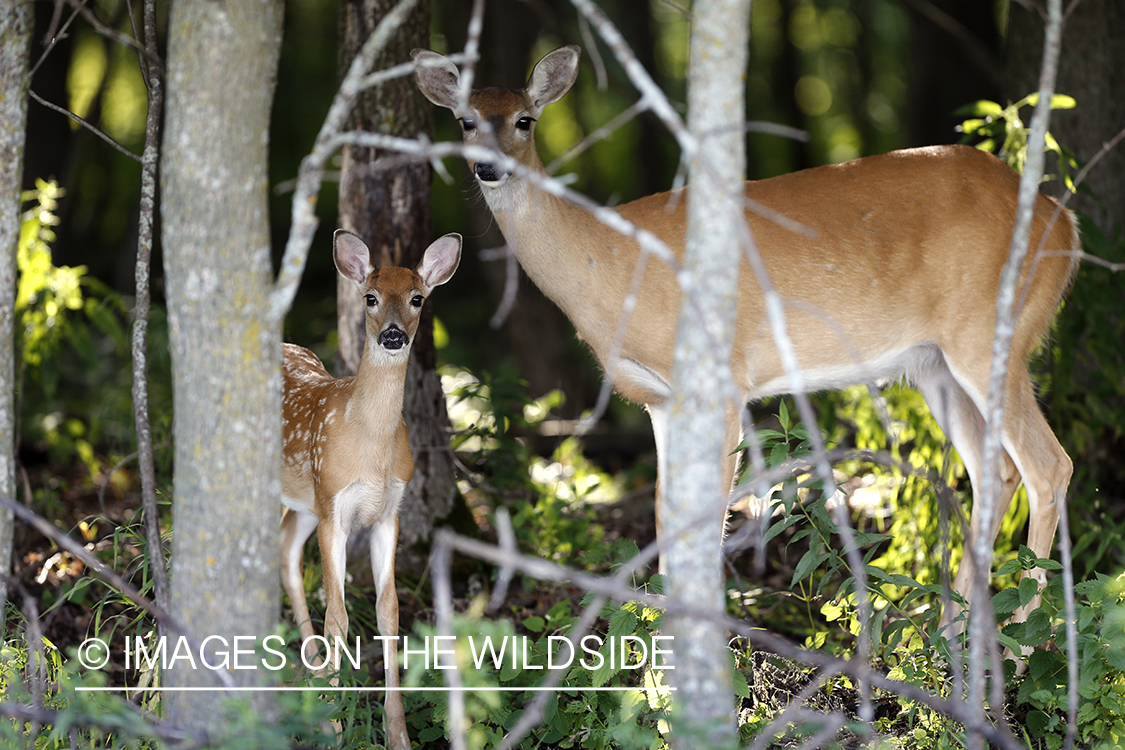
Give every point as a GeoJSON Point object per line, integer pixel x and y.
{"type": "Point", "coordinates": [393, 338]}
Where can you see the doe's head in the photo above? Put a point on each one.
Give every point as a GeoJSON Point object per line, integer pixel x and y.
{"type": "Point", "coordinates": [500, 118]}
{"type": "Point", "coordinates": [395, 295]}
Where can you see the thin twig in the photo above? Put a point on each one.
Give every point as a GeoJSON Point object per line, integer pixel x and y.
{"type": "Point", "coordinates": [84, 123]}
{"type": "Point", "coordinates": [149, 167]}
{"type": "Point", "coordinates": [982, 621]}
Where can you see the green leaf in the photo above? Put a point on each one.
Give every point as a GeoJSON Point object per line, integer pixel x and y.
{"type": "Point", "coordinates": [769, 436]}
{"type": "Point", "coordinates": [1008, 642]}
{"type": "Point", "coordinates": [808, 563]}
{"type": "Point", "coordinates": [1028, 589]}
{"type": "Point", "coordinates": [1038, 723]}
{"type": "Point", "coordinates": [1062, 101]}
{"type": "Point", "coordinates": [906, 581]}
{"type": "Point", "coordinates": [431, 733]}
{"type": "Point", "coordinates": [876, 626]}
{"type": "Point", "coordinates": [622, 622]}
{"type": "Point", "coordinates": [800, 535]}
{"type": "Point", "coordinates": [741, 688]}
{"type": "Point", "coordinates": [783, 415]}
{"type": "Point", "coordinates": [981, 108]}
{"type": "Point", "coordinates": [1036, 630]}
{"type": "Point", "coordinates": [780, 526]}
{"type": "Point", "coordinates": [1009, 568]}
{"type": "Point", "coordinates": [550, 707]}
{"type": "Point", "coordinates": [972, 126]}
{"type": "Point", "coordinates": [877, 573]}
{"type": "Point", "coordinates": [893, 634]}
{"type": "Point", "coordinates": [535, 624]}
{"type": "Point", "coordinates": [1005, 603]}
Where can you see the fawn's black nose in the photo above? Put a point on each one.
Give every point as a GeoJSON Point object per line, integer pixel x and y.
{"type": "Point", "coordinates": [393, 338]}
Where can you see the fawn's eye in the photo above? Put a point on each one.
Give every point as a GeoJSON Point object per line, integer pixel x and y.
{"type": "Point", "coordinates": [371, 300]}
{"type": "Point", "coordinates": [417, 300]}
{"type": "Point", "coordinates": [524, 123]}
{"type": "Point", "coordinates": [468, 124]}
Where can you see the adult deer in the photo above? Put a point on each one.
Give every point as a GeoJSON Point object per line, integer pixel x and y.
{"type": "Point", "coordinates": [897, 277]}
{"type": "Point", "coordinates": [347, 454]}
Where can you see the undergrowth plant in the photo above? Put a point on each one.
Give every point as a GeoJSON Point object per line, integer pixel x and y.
{"type": "Point", "coordinates": [499, 657]}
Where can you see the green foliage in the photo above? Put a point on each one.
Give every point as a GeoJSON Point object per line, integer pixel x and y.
{"type": "Point", "coordinates": [552, 499]}
{"type": "Point", "coordinates": [497, 657]}
{"type": "Point", "coordinates": [71, 338]}
{"type": "Point", "coordinates": [994, 127]}
{"type": "Point", "coordinates": [45, 293]}
{"type": "Point", "coordinates": [1101, 664]}
{"type": "Point", "coordinates": [74, 712]}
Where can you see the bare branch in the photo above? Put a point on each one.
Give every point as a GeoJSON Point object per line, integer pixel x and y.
{"type": "Point", "coordinates": [84, 123]}
{"type": "Point", "coordinates": [982, 621]}
{"type": "Point", "coordinates": [149, 167]}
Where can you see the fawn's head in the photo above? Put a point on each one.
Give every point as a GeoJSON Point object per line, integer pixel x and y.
{"type": "Point", "coordinates": [500, 118]}
{"type": "Point", "coordinates": [394, 295]}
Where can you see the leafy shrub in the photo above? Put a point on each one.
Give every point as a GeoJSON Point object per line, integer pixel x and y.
{"type": "Point", "coordinates": [1042, 693]}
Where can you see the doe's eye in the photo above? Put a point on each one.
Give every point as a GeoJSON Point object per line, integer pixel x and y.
{"type": "Point", "coordinates": [468, 124]}
{"type": "Point", "coordinates": [371, 300]}
{"type": "Point", "coordinates": [417, 300]}
{"type": "Point", "coordinates": [524, 123]}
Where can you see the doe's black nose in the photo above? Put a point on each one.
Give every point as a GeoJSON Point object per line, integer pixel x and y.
{"type": "Point", "coordinates": [486, 172]}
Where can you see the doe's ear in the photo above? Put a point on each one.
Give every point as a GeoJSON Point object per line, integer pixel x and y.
{"type": "Point", "coordinates": [353, 259]}
{"type": "Point", "coordinates": [553, 76]}
{"type": "Point", "coordinates": [437, 77]}
{"type": "Point", "coordinates": [440, 260]}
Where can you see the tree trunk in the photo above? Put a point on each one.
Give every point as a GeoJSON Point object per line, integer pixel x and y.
{"type": "Point", "coordinates": [701, 380]}
{"type": "Point", "coordinates": [1092, 70]}
{"type": "Point", "coordinates": [15, 37]}
{"type": "Point", "coordinates": [386, 201]}
{"type": "Point", "coordinates": [222, 63]}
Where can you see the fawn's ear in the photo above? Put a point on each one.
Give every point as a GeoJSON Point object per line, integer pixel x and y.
{"type": "Point", "coordinates": [440, 260]}
{"type": "Point", "coordinates": [553, 76]}
{"type": "Point", "coordinates": [353, 259]}
{"type": "Point", "coordinates": [438, 78]}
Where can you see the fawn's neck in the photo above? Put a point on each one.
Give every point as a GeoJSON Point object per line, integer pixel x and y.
{"type": "Point", "coordinates": [377, 391]}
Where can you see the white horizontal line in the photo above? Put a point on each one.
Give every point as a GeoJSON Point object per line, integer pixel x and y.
{"type": "Point", "coordinates": [305, 689]}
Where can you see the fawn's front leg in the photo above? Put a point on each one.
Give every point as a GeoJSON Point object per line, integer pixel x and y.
{"type": "Point", "coordinates": [296, 528]}
{"type": "Point", "coordinates": [384, 540]}
{"type": "Point", "coordinates": [333, 541]}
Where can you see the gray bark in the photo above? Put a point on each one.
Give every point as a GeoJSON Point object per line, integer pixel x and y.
{"type": "Point", "coordinates": [387, 203]}
{"type": "Point", "coordinates": [700, 377]}
{"type": "Point", "coordinates": [1092, 70]}
{"type": "Point", "coordinates": [149, 163]}
{"type": "Point", "coordinates": [15, 37]}
{"type": "Point", "coordinates": [222, 63]}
